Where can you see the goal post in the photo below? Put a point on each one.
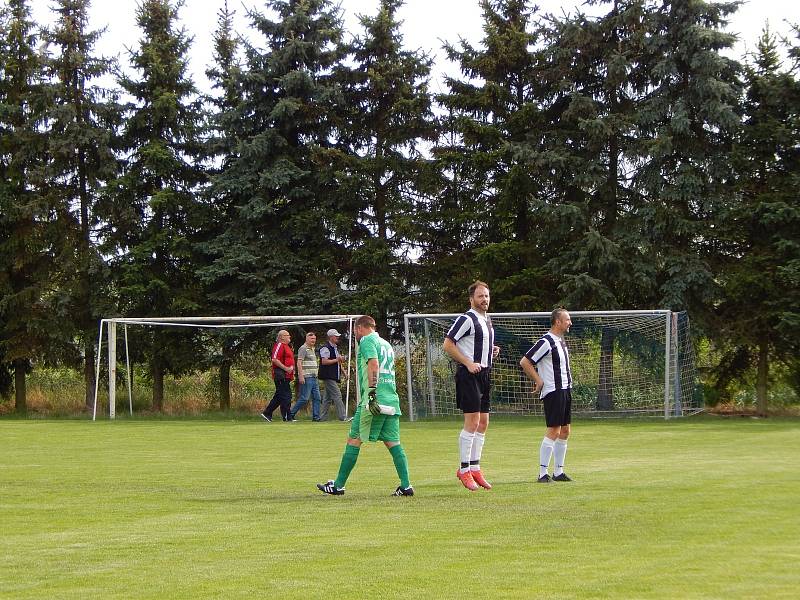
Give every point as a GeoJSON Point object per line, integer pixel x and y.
{"type": "Point", "coordinates": [110, 326]}
{"type": "Point", "coordinates": [624, 363]}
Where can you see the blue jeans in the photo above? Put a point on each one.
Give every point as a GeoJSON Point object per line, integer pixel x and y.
{"type": "Point", "coordinates": [309, 388]}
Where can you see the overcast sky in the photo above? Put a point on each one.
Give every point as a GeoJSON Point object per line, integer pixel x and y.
{"type": "Point", "coordinates": [425, 24]}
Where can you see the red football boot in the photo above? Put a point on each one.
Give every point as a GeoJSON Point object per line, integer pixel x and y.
{"type": "Point", "coordinates": [477, 477]}
{"type": "Point", "coordinates": [467, 480]}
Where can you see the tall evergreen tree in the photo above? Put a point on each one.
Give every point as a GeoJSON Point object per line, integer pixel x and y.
{"type": "Point", "coordinates": [759, 312]}
{"type": "Point", "coordinates": [220, 145]}
{"type": "Point", "coordinates": [28, 293]}
{"type": "Point", "coordinates": [151, 208]}
{"type": "Point", "coordinates": [82, 117]}
{"type": "Point", "coordinates": [389, 121]}
{"type": "Point", "coordinates": [687, 125]}
{"type": "Point", "coordinates": [274, 188]}
{"type": "Point", "coordinates": [593, 78]}
{"type": "Point", "coordinates": [485, 218]}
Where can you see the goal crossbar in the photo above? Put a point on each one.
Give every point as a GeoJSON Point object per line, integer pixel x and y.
{"type": "Point", "coordinates": [237, 322]}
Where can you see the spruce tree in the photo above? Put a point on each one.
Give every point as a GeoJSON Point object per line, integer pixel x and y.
{"type": "Point", "coordinates": [687, 123]}
{"type": "Point", "coordinates": [151, 208]}
{"type": "Point", "coordinates": [384, 132]}
{"type": "Point", "coordinates": [593, 76]}
{"type": "Point", "coordinates": [29, 317]}
{"type": "Point", "coordinates": [759, 312]}
{"type": "Point", "coordinates": [275, 188]}
{"type": "Point", "coordinates": [219, 146]}
{"type": "Point", "coordinates": [484, 217]}
{"type": "Point", "coordinates": [82, 117]}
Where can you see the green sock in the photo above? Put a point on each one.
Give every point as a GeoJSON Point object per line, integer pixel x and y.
{"type": "Point", "coordinates": [400, 464]}
{"type": "Point", "coordinates": [349, 459]}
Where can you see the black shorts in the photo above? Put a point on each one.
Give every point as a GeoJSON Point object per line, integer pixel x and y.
{"type": "Point", "coordinates": [558, 408]}
{"type": "Point", "coordinates": [472, 391]}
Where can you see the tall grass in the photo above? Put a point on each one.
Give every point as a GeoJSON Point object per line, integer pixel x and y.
{"type": "Point", "coordinates": [59, 392]}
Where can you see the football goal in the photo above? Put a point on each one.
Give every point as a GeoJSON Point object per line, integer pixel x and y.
{"type": "Point", "coordinates": [624, 363]}
{"type": "Point", "coordinates": [114, 338]}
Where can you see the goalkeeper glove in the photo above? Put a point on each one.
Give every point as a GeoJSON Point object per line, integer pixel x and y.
{"type": "Point", "coordinates": [373, 402]}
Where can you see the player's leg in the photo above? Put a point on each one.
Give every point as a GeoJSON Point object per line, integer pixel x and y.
{"type": "Point", "coordinates": [480, 434]}
{"type": "Point", "coordinates": [477, 451]}
{"type": "Point", "coordinates": [349, 459]}
{"type": "Point", "coordinates": [389, 434]}
{"type": "Point", "coordinates": [560, 444]}
{"type": "Point", "coordinates": [352, 449]}
{"type": "Point", "coordinates": [468, 399]}
{"type": "Point", "coordinates": [359, 432]}
{"type": "Point", "coordinates": [552, 416]}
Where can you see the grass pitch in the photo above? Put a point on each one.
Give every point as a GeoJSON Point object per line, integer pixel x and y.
{"type": "Point", "coordinates": [698, 508]}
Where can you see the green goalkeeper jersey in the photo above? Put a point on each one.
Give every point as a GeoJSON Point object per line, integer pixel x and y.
{"type": "Point", "coordinates": [373, 346]}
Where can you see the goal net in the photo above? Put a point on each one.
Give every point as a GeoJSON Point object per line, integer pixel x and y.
{"type": "Point", "coordinates": [118, 350]}
{"type": "Point", "coordinates": [623, 363]}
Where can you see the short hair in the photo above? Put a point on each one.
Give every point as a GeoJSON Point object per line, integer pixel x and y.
{"type": "Point", "coordinates": [365, 321]}
{"type": "Point", "coordinates": [557, 314]}
{"type": "Point", "coordinates": [475, 285]}
{"type": "Point", "coordinates": [280, 333]}
{"type": "Point", "coordinates": [312, 332]}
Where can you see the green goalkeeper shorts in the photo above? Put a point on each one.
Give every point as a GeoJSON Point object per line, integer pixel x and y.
{"type": "Point", "coordinates": [383, 428]}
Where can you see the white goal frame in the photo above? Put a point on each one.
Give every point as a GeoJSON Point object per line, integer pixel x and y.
{"type": "Point", "coordinates": [241, 322]}
{"type": "Point", "coordinates": [677, 384]}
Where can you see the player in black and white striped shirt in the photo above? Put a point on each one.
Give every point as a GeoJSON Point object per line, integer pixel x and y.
{"type": "Point", "coordinates": [547, 364]}
{"type": "Point", "coordinates": [470, 342]}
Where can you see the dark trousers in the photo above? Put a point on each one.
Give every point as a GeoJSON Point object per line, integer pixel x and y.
{"type": "Point", "coordinates": [282, 398]}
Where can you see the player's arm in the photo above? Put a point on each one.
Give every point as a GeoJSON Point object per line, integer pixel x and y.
{"type": "Point", "coordinates": [372, 382]}
{"type": "Point", "coordinates": [530, 371]}
{"type": "Point", "coordinates": [372, 372]}
{"type": "Point", "coordinates": [453, 352]}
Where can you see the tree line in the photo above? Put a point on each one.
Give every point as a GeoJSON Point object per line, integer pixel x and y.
{"type": "Point", "coordinates": [619, 161]}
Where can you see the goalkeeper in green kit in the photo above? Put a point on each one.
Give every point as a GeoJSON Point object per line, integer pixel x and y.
{"type": "Point", "coordinates": [377, 416]}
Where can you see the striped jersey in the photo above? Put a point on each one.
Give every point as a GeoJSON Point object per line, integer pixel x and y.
{"type": "Point", "coordinates": [551, 357]}
{"type": "Point", "coordinates": [308, 359]}
{"type": "Point", "coordinates": [473, 335]}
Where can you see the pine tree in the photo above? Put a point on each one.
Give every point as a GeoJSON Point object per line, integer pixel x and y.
{"type": "Point", "coordinates": [687, 125]}
{"type": "Point", "coordinates": [593, 78]}
{"type": "Point", "coordinates": [29, 320]}
{"type": "Point", "coordinates": [389, 120]}
{"type": "Point", "coordinates": [275, 187]}
{"type": "Point", "coordinates": [220, 145]}
{"type": "Point", "coordinates": [594, 74]}
{"type": "Point", "coordinates": [484, 220]}
{"type": "Point", "coordinates": [759, 314]}
{"type": "Point", "coordinates": [151, 208]}
{"type": "Point", "coordinates": [81, 118]}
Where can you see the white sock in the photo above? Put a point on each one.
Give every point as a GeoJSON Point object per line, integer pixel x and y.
{"type": "Point", "coordinates": [465, 441]}
{"type": "Point", "coordinates": [477, 449]}
{"type": "Point", "coordinates": [545, 452]}
{"type": "Point", "coordinates": [559, 452]}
